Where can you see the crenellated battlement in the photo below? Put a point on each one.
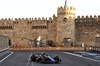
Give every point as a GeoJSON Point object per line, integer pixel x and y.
{"type": "Point", "coordinates": [4, 22]}
{"type": "Point", "coordinates": [5, 19]}
{"type": "Point", "coordinates": [88, 18]}
{"type": "Point", "coordinates": [69, 10]}
{"type": "Point", "coordinates": [25, 19]}
{"type": "Point", "coordinates": [79, 17]}
{"type": "Point", "coordinates": [66, 12]}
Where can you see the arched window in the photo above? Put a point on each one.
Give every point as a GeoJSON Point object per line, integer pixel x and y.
{"type": "Point", "coordinates": [37, 27]}
{"type": "Point", "coordinates": [45, 26]}
{"type": "Point", "coordinates": [17, 22]}
{"type": "Point", "coordinates": [65, 19]}
{"type": "Point", "coordinates": [5, 27]}
{"type": "Point", "coordinates": [8, 27]}
{"type": "Point", "coordinates": [32, 27]}
{"type": "Point", "coordinates": [40, 26]}
{"type": "Point", "coordinates": [27, 22]}
{"type": "Point", "coordinates": [2, 27]}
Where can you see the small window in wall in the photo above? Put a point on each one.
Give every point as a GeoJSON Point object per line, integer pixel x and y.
{"type": "Point", "coordinates": [40, 26]}
{"type": "Point", "coordinates": [5, 27]}
{"type": "Point", "coordinates": [43, 26]}
{"type": "Point", "coordinates": [33, 27]}
{"type": "Point", "coordinates": [0, 27]}
{"type": "Point", "coordinates": [17, 22]}
{"type": "Point", "coordinates": [37, 27]}
{"type": "Point", "coordinates": [65, 19]}
{"type": "Point", "coordinates": [10, 27]}
{"type": "Point", "coordinates": [27, 22]}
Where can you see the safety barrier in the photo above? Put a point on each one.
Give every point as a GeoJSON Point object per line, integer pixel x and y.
{"type": "Point", "coordinates": [4, 50]}
{"type": "Point", "coordinates": [94, 48]}
{"type": "Point", "coordinates": [4, 42]}
{"type": "Point", "coordinates": [52, 48]}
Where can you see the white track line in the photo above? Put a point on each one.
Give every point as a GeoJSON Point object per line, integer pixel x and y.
{"type": "Point", "coordinates": [90, 59]}
{"type": "Point", "coordinates": [32, 63]}
{"type": "Point", "coordinates": [80, 56]}
{"type": "Point", "coordinates": [28, 60]}
{"type": "Point", "coordinates": [6, 57]}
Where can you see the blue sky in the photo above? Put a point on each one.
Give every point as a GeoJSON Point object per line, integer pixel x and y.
{"type": "Point", "coordinates": [45, 8]}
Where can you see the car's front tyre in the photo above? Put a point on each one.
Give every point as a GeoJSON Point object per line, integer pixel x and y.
{"type": "Point", "coordinates": [33, 58]}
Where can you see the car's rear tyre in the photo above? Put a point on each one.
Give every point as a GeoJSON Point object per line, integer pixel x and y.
{"type": "Point", "coordinates": [57, 59]}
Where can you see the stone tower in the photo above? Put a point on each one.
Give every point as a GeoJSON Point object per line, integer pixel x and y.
{"type": "Point", "coordinates": [65, 26]}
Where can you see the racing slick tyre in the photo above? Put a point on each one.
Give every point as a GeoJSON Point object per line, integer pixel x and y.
{"type": "Point", "coordinates": [41, 60]}
{"type": "Point", "coordinates": [57, 59]}
{"type": "Point", "coordinates": [33, 58]}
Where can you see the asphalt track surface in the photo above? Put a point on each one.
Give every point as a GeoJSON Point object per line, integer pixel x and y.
{"type": "Point", "coordinates": [21, 58]}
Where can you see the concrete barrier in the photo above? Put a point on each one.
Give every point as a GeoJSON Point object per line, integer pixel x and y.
{"type": "Point", "coordinates": [94, 48]}
{"type": "Point", "coordinates": [4, 49]}
{"type": "Point", "coordinates": [52, 48]}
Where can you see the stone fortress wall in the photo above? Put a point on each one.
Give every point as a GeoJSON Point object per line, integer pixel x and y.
{"type": "Point", "coordinates": [80, 30]}
{"type": "Point", "coordinates": [29, 28]}
{"type": "Point", "coordinates": [88, 30]}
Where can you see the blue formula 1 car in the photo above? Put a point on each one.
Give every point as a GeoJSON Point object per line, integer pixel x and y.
{"type": "Point", "coordinates": [43, 58]}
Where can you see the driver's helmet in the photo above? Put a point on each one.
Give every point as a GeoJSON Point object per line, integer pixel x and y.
{"type": "Point", "coordinates": [43, 53]}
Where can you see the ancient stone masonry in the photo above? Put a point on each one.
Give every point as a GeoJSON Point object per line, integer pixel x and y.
{"type": "Point", "coordinates": [55, 29]}
{"type": "Point", "coordinates": [65, 24]}
{"type": "Point", "coordinates": [29, 28]}
{"type": "Point", "coordinates": [87, 29]}
{"type": "Point", "coordinates": [6, 23]}
{"type": "Point", "coordinates": [62, 30]}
